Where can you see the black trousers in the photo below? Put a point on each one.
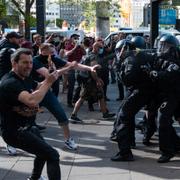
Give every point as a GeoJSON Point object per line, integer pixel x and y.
{"type": "Point", "coordinates": [150, 124]}
{"type": "Point", "coordinates": [71, 84]}
{"type": "Point", "coordinates": [121, 90]}
{"type": "Point", "coordinates": [31, 141]}
{"type": "Point", "coordinates": [126, 115]}
{"type": "Point", "coordinates": [168, 139]}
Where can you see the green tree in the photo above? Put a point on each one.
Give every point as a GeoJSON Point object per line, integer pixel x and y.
{"type": "Point", "coordinates": [24, 9]}
{"type": "Point", "coordinates": [3, 10]}
{"type": "Point", "coordinates": [32, 21]}
{"type": "Point", "coordinates": [59, 22]}
{"type": "Point", "coordinates": [89, 11]}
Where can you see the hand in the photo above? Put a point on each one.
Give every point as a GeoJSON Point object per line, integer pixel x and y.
{"type": "Point", "coordinates": [52, 77]}
{"type": "Point", "coordinates": [146, 68]}
{"type": "Point", "coordinates": [173, 67]}
{"type": "Point", "coordinates": [73, 64]}
{"type": "Point", "coordinates": [97, 66]}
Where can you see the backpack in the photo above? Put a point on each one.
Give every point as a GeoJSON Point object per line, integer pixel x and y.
{"type": "Point", "coordinates": [5, 60]}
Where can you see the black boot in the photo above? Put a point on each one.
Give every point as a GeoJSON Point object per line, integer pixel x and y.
{"type": "Point", "coordinates": [125, 157]}
{"type": "Point", "coordinates": [164, 158]}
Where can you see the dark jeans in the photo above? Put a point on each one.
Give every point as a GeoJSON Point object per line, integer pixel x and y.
{"type": "Point", "coordinates": [126, 115]}
{"type": "Point", "coordinates": [71, 84]}
{"type": "Point", "coordinates": [51, 102]}
{"type": "Point", "coordinates": [105, 79]}
{"type": "Point", "coordinates": [55, 87]}
{"type": "Point", "coordinates": [31, 141]}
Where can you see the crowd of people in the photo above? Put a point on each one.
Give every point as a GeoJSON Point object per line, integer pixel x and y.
{"type": "Point", "coordinates": [31, 72]}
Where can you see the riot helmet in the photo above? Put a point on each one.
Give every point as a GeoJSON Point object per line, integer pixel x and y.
{"type": "Point", "coordinates": [122, 48]}
{"type": "Point", "coordinates": [139, 42]}
{"type": "Point", "coordinates": [156, 42]}
{"type": "Point", "coordinates": [168, 42]}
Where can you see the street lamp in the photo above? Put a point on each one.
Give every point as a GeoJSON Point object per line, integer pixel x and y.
{"type": "Point", "coordinates": [41, 17]}
{"type": "Point", "coordinates": [154, 22]}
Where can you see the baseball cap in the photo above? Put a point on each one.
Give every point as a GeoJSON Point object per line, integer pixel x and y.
{"type": "Point", "coordinates": [75, 35]}
{"type": "Point", "coordinates": [13, 34]}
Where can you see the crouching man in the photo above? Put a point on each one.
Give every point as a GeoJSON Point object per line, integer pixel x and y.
{"type": "Point", "coordinates": [19, 99]}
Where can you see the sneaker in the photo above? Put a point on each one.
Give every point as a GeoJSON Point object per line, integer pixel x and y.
{"type": "Point", "coordinates": [74, 119]}
{"type": "Point", "coordinates": [41, 178]}
{"type": "Point", "coordinates": [70, 144]}
{"type": "Point", "coordinates": [11, 150]}
{"type": "Point", "coordinates": [119, 157]}
{"type": "Point", "coordinates": [108, 115]}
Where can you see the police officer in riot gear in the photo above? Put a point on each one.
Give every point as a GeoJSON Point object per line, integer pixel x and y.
{"type": "Point", "coordinates": [119, 61]}
{"type": "Point", "coordinates": [142, 90]}
{"type": "Point", "coordinates": [168, 78]}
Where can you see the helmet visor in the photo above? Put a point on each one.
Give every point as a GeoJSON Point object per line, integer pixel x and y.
{"type": "Point", "coordinates": [163, 47]}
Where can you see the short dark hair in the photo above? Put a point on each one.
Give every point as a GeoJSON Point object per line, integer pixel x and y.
{"type": "Point", "coordinates": [16, 55]}
{"type": "Point", "coordinates": [13, 34]}
{"type": "Point", "coordinates": [46, 46]}
{"type": "Point", "coordinates": [75, 36]}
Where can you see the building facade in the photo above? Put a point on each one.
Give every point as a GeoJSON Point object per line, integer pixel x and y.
{"type": "Point", "coordinates": [72, 13]}
{"type": "Point", "coordinates": [132, 12]}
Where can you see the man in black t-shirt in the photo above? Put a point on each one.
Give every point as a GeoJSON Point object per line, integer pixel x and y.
{"type": "Point", "coordinates": [19, 99]}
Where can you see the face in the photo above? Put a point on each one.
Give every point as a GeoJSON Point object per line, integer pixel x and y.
{"type": "Point", "coordinates": [48, 52]}
{"type": "Point", "coordinates": [24, 66]}
{"type": "Point", "coordinates": [76, 40]}
{"type": "Point", "coordinates": [163, 47]}
{"type": "Point", "coordinates": [38, 40]}
{"type": "Point", "coordinates": [21, 40]}
{"type": "Point", "coordinates": [15, 41]}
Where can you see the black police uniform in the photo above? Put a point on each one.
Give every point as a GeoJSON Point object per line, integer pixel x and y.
{"type": "Point", "coordinates": [168, 78]}
{"type": "Point", "coordinates": [144, 89]}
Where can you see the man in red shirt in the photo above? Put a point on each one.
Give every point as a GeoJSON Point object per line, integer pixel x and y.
{"type": "Point", "coordinates": [74, 52]}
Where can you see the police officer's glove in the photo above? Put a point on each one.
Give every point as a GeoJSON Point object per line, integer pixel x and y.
{"type": "Point", "coordinates": [153, 75]}
{"type": "Point", "coordinates": [146, 68]}
{"type": "Point", "coordinates": [173, 67]}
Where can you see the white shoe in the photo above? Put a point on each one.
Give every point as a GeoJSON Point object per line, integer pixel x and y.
{"type": "Point", "coordinates": [70, 144]}
{"type": "Point", "coordinates": [11, 150]}
{"type": "Point", "coordinates": [42, 178]}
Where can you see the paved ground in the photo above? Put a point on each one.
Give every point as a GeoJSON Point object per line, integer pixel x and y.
{"type": "Point", "coordinates": [92, 159]}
